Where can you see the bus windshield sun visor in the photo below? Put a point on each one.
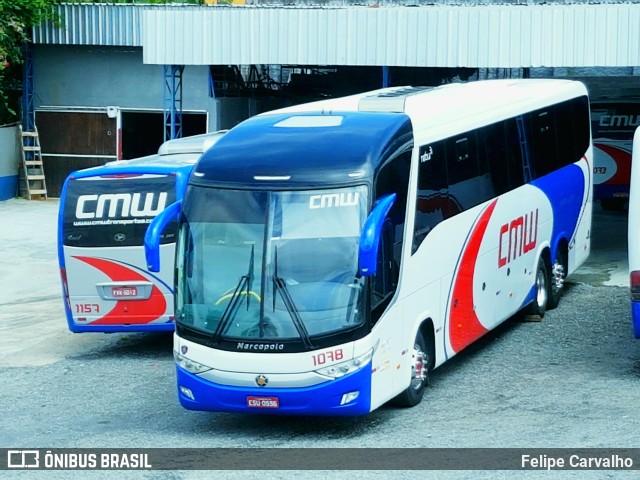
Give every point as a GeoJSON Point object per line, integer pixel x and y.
{"type": "Point", "coordinates": [370, 237]}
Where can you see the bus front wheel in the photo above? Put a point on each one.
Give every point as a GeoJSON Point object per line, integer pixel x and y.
{"type": "Point", "coordinates": [420, 365]}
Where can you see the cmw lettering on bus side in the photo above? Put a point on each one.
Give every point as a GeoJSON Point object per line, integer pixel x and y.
{"type": "Point", "coordinates": [620, 120]}
{"type": "Point", "coordinates": [330, 200]}
{"type": "Point", "coordinates": [120, 205]}
{"type": "Point", "coordinates": [521, 237]}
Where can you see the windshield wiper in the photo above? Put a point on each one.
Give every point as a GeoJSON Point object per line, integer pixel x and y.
{"type": "Point", "coordinates": [232, 306]}
{"type": "Point", "coordinates": [281, 286]}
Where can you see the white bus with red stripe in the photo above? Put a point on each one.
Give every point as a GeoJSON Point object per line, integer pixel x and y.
{"type": "Point", "coordinates": [330, 255]}
{"type": "Point", "coordinates": [104, 213]}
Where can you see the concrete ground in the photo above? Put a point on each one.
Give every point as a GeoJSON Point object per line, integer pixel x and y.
{"type": "Point", "coordinates": [30, 291]}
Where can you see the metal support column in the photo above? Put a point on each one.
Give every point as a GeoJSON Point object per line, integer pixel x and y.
{"type": "Point", "coordinates": [386, 77]}
{"type": "Point", "coordinates": [173, 101]}
{"type": "Point", "coordinates": [28, 113]}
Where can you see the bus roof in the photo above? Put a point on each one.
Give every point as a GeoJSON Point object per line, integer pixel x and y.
{"type": "Point", "coordinates": [304, 150]}
{"type": "Point", "coordinates": [173, 154]}
{"type": "Point", "coordinates": [296, 144]}
{"type": "Point", "coordinates": [436, 112]}
{"type": "Point", "coordinates": [193, 144]}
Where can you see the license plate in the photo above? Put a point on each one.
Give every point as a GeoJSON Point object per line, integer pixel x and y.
{"type": "Point", "coordinates": [263, 402]}
{"type": "Point", "coordinates": [124, 292]}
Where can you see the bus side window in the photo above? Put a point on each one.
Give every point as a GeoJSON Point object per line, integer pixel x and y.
{"type": "Point", "coordinates": [565, 128]}
{"type": "Point", "coordinates": [513, 154]}
{"type": "Point", "coordinates": [543, 141]}
{"type": "Point", "coordinates": [581, 125]}
{"type": "Point", "coordinates": [578, 111]}
{"type": "Point", "coordinates": [468, 172]}
{"type": "Point", "coordinates": [495, 150]}
{"type": "Point", "coordinates": [462, 159]}
{"type": "Point", "coordinates": [432, 200]}
{"type": "Point", "coordinates": [392, 178]}
{"type": "Point", "coordinates": [386, 278]}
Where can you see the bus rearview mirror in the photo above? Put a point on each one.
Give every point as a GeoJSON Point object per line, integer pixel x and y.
{"type": "Point", "coordinates": [155, 229]}
{"type": "Point", "coordinates": [370, 236]}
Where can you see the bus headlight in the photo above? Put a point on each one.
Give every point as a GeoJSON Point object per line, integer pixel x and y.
{"type": "Point", "coordinates": [189, 365]}
{"type": "Point", "coordinates": [341, 369]}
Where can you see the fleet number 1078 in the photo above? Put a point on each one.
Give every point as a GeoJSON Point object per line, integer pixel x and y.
{"type": "Point", "coordinates": [329, 356]}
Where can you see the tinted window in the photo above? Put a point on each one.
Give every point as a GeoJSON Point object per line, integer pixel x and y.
{"type": "Point", "coordinates": [463, 171]}
{"type": "Point", "coordinates": [392, 178]}
{"type": "Point", "coordinates": [115, 212]}
{"type": "Point", "coordinates": [433, 202]}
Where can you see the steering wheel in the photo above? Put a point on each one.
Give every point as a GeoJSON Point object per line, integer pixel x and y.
{"type": "Point", "coordinates": [228, 296]}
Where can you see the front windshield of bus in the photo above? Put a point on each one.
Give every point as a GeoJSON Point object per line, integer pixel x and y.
{"type": "Point", "coordinates": [257, 266]}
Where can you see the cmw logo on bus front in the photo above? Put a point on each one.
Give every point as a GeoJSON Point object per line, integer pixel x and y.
{"type": "Point", "coordinates": [330, 200]}
{"type": "Point", "coordinates": [120, 205]}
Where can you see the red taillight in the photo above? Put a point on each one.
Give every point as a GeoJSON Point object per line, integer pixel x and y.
{"type": "Point", "coordinates": [122, 175]}
{"type": "Point", "coordinates": [634, 278]}
{"type": "Point", "coordinates": [65, 286]}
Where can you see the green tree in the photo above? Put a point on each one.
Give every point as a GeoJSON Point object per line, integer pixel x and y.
{"type": "Point", "coordinates": [16, 19]}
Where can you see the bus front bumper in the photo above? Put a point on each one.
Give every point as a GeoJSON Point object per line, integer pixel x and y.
{"type": "Point", "coordinates": [122, 328]}
{"type": "Point", "coordinates": [196, 393]}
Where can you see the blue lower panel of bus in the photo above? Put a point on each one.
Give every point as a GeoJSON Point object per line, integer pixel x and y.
{"type": "Point", "coordinates": [635, 318]}
{"type": "Point", "coordinates": [323, 399]}
{"type": "Point", "coordinates": [148, 327]}
{"type": "Point", "coordinates": [610, 191]}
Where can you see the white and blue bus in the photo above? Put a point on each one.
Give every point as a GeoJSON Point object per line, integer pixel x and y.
{"type": "Point", "coordinates": [331, 255]}
{"type": "Point", "coordinates": [634, 235]}
{"type": "Point", "coordinates": [103, 216]}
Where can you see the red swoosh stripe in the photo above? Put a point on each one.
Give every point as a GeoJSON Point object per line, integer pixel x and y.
{"type": "Point", "coordinates": [623, 163]}
{"type": "Point", "coordinates": [128, 311]}
{"type": "Point", "coordinates": [464, 326]}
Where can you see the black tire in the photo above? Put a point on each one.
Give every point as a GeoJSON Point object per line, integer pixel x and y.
{"type": "Point", "coordinates": [541, 299]}
{"type": "Point", "coordinates": [422, 361]}
{"type": "Point", "coordinates": [556, 280]}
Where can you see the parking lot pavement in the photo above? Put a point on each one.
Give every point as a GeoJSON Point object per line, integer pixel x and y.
{"type": "Point", "coordinates": [32, 320]}
{"type": "Point", "coordinates": [570, 380]}
{"type": "Point", "coordinates": [30, 292]}
{"type": "Point", "coordinates": [608, 263]}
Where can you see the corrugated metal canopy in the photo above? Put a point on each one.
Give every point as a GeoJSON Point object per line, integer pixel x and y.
{"type": "Point", "coordinates": [441, 35]}
{"type": "Point", "coordinates": [435, 36]}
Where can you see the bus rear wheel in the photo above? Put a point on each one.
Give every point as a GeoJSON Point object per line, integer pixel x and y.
{"type": "Point", "coordinates": [420, 365]}
{"type": "Point", "coordinates": [541, 298]}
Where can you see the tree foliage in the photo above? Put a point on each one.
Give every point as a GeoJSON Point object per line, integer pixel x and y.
{"type": "Point", "coordinates": [16, 19]}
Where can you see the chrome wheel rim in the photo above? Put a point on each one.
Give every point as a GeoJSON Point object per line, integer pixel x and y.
{"type": "Point", "coordinates": [419, 368]}
{"type": "Point", "coordinates": [557, 275]}
{"type": "Point", "coordinates": [541, 287]}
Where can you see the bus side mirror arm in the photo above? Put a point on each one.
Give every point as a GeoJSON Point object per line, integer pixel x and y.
{"type": "Point", "coordinates": [370, 236]}
{"type": "Point", "coordinates": [154, 230]}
